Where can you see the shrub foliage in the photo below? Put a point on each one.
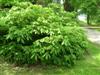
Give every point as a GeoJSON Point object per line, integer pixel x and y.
{"type": "Point", "coordinates": [32, 34]}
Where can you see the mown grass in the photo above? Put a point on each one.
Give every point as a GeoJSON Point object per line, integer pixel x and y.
{"type": "Point", "coordinates": [90, 65]}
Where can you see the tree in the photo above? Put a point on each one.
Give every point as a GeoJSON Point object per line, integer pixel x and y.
{"type": "Point", "coordinates": [87, 7]}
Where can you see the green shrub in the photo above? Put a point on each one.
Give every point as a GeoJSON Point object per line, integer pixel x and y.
{"type": "Point", "coordinates": [56, 7]}
{"type": "Point", "coordinates": [34, 21]}
{"type": "Point", "coordinates": [60, 49]}
{"type": "Point", "coordinates": [10, 3]}
{"type": "Point", "coordinates": [39, 35]}
{"type": "Point", "coordinates": [6, 3]}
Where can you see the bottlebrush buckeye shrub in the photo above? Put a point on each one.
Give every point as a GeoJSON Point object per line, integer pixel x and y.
{"type": "Point", "coordinates": [39, 35]}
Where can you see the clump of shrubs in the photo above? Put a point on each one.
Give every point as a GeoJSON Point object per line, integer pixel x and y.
{"type": "Point", "coordinates": [35, 34]}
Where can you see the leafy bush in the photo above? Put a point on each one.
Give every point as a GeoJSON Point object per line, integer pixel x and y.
{"type": "Point", "coordinates": [10, 3]}
{"type": "Point", "coordinates": [56, 7]}
{"type": "Point", "coordinates": [33, 21]}
{"type": "Point", "coordinates": [59, 49]}
{"type": "Point", "coordinates": [39, 35]}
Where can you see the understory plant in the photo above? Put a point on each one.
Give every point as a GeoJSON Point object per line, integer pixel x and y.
{"type": "Point", "coordinates": [32, 34]}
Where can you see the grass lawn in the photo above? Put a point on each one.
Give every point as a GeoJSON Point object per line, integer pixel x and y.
{"type": "Point", "coordinates": [90, 65]}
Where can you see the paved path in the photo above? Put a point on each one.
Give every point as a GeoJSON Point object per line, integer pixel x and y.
{"type": "Point", "coordinates": [93, 35]}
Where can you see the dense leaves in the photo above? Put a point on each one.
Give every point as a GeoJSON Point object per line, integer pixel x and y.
{"type": "Point", "coordinates": [34, 34]}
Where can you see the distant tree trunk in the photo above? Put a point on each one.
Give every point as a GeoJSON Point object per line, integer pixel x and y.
{"type": "Point", "coordinates": [88, 19]}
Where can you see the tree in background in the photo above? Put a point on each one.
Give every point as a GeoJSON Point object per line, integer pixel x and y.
{"type": "Point", "coordinates": [87, 7]}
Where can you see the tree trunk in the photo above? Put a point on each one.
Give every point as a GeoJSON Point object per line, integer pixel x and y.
{"type": "Point", "coordinates": [88, 19]}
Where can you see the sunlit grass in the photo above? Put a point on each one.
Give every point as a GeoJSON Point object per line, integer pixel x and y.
{"type": "Point", "coordinates": [90, 65]}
